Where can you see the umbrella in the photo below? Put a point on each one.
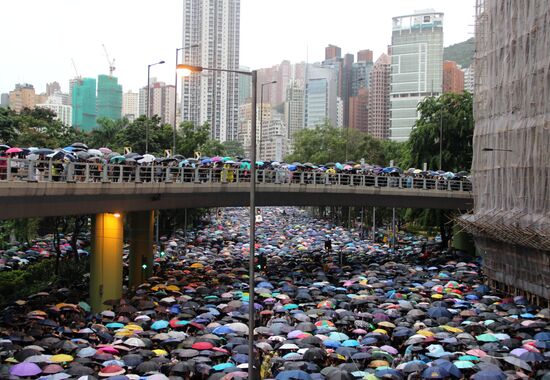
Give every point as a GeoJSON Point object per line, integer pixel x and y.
{"type": "Point", "coordinates": [517, 362]}
{"type": "Point", "coordinates": [489, 375]}
{"type": "Point", "coordinates": [13, 150]}
{"type": "Point", "coordinates": [25, 370]}
{"type": "Point", "coordinates": [435, 373]}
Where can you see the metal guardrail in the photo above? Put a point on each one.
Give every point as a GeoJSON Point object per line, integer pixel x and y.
{"type": "Point", "coordinates": [88, 172]}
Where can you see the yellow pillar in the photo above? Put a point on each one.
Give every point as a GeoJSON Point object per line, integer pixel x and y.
{"type": "Point", "coordinates": [141, 247]}
{"type": "Point", "coordinates": [106, 259]}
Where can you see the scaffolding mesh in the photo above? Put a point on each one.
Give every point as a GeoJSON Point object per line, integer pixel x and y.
{"type": "Point", "coordinates": [511, 163]}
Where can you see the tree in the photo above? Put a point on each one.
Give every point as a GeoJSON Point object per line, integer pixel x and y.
{"type": "Point", "coordinates": [36, 127]}
{"type": "Point", "coordinates": [453, 113]}
{"type": "Point", "coordinates": [8, 126]}
{"type": "Point", "coordinates": [109, 133]}
{"type": "Point", "coordinates": [233, 148]}
{"type": "Point", "coordinates": [328, 144]}
{"type": "Point", "coordinates": [191, 139]}
{"type": "Point", "coordinates": [148, 133]}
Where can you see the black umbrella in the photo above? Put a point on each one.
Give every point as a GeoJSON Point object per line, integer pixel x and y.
{"type": "Point", "coordinates": [79, 145]}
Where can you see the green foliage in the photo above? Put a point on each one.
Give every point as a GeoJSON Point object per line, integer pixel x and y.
{"type": "Point", "coordinates": [453, 113]}
{"type": "Point", "coordinates": [24, 230]}
{"type": "Point", "coordinates": [233, 148]}
{"type": "Point", "coordinates": [8, 125]}
{"type": "Point", "coordinates": [108, 133]}
{"type": "Point", "coordinates": [328, 144]}
{"type": "Point", "coordinates": [191, 139]}
{"type": "Point", "coordinates": [18, 284]}
{"type": "Point", "coordinates": [462, 53]}
{"type": "Point", "coordinates": [37, 127]}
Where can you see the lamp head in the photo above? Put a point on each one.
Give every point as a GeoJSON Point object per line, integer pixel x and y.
{"type": "Point", "coordinates": [186, 70]}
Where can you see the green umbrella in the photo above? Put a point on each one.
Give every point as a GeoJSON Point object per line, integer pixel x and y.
{"type": "Point", "coordinates": [117, 160]}
{"type": "Point", "coordinates": [487, 338]}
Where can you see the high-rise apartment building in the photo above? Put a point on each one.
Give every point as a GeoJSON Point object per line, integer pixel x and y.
{"type": "Point", "coordinates": [63, 112]}
{"type": "Point", "coordinates": [212, 96]}
{"type": "Point", "coordinates": [23, 96]}
{"type": "Point", "coordinates": [358, 110]}
{"type": "Point", "coordinates": [84, 104]}
{"type": "Point", "coordinates": [364, 55]}
{"type": "Point", "coordinates": [161, 101]}
{"type": "Point", "coordinates": [245, 86]}
{"type": "Point", "coordinates": [130, 105]}
{"type": "Point", "coordinates": [469, 79]}
{"type": "Point", "coordinates": [294, 109]}
{"type": "Point", "coordinates": [379, 98]}
{"type": "Point", "coordinates": [453, 77]}
{"type": "Point", "coordinates": [274, 141]}
{"type": "Point", "coordinates": [5, 100]}
{"type": "Point", "coordinates": [321, 95]}
{"type": "Point", "coordinates": [332, 52]}
{"type": "Point", "coordinates": [416, 70]}
{"type": "Point", "coordinates": [52, 88]}
{"type": "Point", "coordinates": [109, 97]}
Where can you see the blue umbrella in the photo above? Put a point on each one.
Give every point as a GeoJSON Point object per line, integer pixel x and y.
{"type": "Point", "coordinates": [489, 374]}
{"type": "Point", "coordinates": [543, 335]}
{"type": "Point", "coordinates": [388, 373]}
{"type": "Point", "coordinates": [435, 373]}
{"type": "Point", "coordinates": [222, 366]}
{"type": "Point", "coordinates": [159, 325]}
{"type": "Point", "coordinates": [293, 375]}
{"type": "Point", "coordinates": [114, 325]}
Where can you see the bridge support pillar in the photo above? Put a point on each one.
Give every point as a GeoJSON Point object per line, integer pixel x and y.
{"type": "Point", "coordinates": [141, 247]}
{"type": "Point", "coordinates": [106, 259]}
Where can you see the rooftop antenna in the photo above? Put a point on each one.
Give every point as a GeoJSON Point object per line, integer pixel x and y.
{"type": "Point", "coordinates": [111, 62]}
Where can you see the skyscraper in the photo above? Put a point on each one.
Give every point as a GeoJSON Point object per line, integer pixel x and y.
{"type": "Point", "coordinates": [321, 94]}
{"type": "Point", "coordinates": [52, 88]}
{"type": "Point", "coordinates": [161, 102]}
{"type": "Point", "coordinates": [294, 109]}
{"type": "Point", "coordinates": [130, 105]}
{"type": "Point", "coordinates": [23, 96]}
{"type": "Point", "coordinates": [212, 96]}
{"type": "Point", "coordinates": [84, 104]}
{"type": "Point", "coordinates": [453, 77]}
{"type": "Point", "coordinates": [109, 97]}
{"type": "Point", "coordinates": [379, 98]}
{"type": "Point", "coordinates": [416, 69]}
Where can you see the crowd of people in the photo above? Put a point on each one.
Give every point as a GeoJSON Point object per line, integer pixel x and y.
{"type": "Point", "coordinates": [80, 163]}
{"type": "Point", "coordinates": [329, 304]}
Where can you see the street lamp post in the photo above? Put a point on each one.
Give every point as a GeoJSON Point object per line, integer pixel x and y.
{"type": "Point", "coordinates": [262, 114]}
{"type": "Point", "coordinates": [440, 136]}
{"type": "Point", "coordinates": [148, 104]}
{"type": "Point", "coordinates": [174, 131]}
{"type": "Point", "coordinates": [186, 70]}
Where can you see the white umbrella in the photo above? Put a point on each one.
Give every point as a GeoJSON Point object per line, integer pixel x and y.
{"type": "Point", "coordinates": [147, 158]}
{"type": "Point", "coordinates": [95, 152]}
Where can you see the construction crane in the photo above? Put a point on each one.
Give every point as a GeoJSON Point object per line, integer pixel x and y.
{"type": "Point", "coordinates": [78, 77]}
{"type": "Point", "coordinates": [111, 62]}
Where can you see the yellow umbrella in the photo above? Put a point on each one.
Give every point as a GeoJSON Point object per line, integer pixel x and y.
{"type": "Point", "coordinates": [437, 296]}
{"type": "Point", "coordinates": [160, 352]}
{"type": "Point", "coordinates": [132, 327]}
{"type": "Point", "coordinates": [378, 363]}
{"type": "Point", "coordinates": [197, 266]}
{"type": "Point", "coordinates": [381, 331]}
{"type": "Point", "coordinates": [425, 332]}
{"type": "Point", "coordinates": [173, 288]}
{"type": "Point", "coordinates": [451, 329]}
{"type": "Point", "coordinates": [124, 332]}
{"type": "Point", "coordinates": [386, 324]}
{"type": "Point", "coordinates": [61, 358]}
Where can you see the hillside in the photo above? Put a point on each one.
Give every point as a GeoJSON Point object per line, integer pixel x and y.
{"type": "Point", "coordinates": [462, 53]}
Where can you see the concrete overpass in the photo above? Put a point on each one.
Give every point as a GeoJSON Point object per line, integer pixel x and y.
{"type": "Point", "coordinates": [107, 192]}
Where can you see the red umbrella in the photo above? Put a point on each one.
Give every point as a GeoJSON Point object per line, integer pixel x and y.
{"type": "Point", "coordinates": [202, 346]}
{"type": "Point", "coordinates": [14, 150]}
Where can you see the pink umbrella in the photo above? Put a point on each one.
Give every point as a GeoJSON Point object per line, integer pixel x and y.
{"type": "Point", "coordinates": [105, 150]}
{"type": "Point", "coordinates": [477, 352]}
{"type": "Point", "coordinates": [14, 150]}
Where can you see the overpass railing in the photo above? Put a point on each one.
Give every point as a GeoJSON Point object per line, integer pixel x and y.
{"type": "Point", "coordinates": [12, 169]}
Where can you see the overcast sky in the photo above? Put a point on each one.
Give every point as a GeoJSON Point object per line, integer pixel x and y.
{"type": "Point", "coordinates": [39, 37]}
